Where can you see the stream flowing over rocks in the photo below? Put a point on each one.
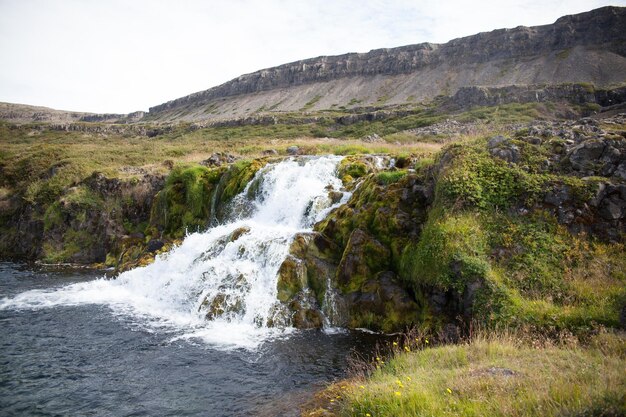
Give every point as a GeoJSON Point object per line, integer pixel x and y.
{"type": "Point", "coordinates": [221, 284]}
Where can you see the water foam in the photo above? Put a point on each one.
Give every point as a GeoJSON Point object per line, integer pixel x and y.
{"type": "Point", "coordinates": [219, 285]}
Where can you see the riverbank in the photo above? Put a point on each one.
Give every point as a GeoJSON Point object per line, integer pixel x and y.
{"type": "Point", "coordinates": [491, 374]}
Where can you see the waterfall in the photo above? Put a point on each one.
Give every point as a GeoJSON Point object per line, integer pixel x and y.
{"type": "Point", "coordinates": [219, 285]}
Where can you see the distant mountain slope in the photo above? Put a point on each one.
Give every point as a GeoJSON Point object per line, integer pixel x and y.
{"type": "Point", "coordinates": [587, 47]}
{"type": "Point", "coordinates": [584, 48]}
{"type": "Point", "coordinates": [23, 113]}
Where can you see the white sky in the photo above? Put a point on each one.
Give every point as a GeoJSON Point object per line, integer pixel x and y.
{"type": "Point", "coordinates": [119, 56]}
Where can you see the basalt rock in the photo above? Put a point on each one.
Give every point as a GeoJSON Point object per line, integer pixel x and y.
{"type": "Point", "coordinates": [218, 159]}
{"type": "Point", "coordinates": [520, 56]}
{"type": "Point", "coordinates": [599, 156]}
{"type": "Point", "coordinates": [501, 147]}
{"type": "Point", "coordinates": [347, 265]}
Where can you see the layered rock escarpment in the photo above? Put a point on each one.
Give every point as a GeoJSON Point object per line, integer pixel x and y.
{"type": "Point", "coordinates": [526, 61]}
{"type": "Point", "coordinates": [588, 47]}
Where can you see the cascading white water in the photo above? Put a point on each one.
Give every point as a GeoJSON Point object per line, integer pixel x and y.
{"type": "Point", "coordinates": [219, 285]}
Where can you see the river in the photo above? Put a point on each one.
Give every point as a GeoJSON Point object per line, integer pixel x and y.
{"type": "Point", "coordinates": [198, 332]}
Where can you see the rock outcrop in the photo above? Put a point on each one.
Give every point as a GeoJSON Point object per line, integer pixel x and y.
{"type": "Point", "coordinates": [588, 47]}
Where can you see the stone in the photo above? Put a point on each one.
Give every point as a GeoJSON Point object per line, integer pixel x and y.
{"type": "Point", "coordinates": [558, 197]}
{"type": "Point", "coordinates": [496, 141]}
{"type": "Point", "coordinates": [510, 153]}
{"type": "Point", "coordinates": [612, 209]}
{"type": "Point", "coordinates": [363, 257]}
{"type": "Point", "coordinates": [335, 196]}
{"type": "Point", "coordinates": [585, 156]}
{"type": "Point", "coordinates": [218, 159]}
{"type": "Point", "coordinates": [501, 147]}
{"type": "Point", "coordinates": [270, 152]}
{"type": "Point", "coordinates": [533, 140]}
{"type": "Point", "coordinates": [620, 171]}
{"type": "Point", "coordinates": [306, 312]}
{"type": "Point", "coordinates": [291, 278]}
{"type": "Point", "coordinates": [373, 138]}
{"type": "Point", "coordinates": [382, 304]}
{"type": "Point", "coordinates": [293, 150]}
{"type": "Point", "coordinates": [237, 233]}
{"type": "Point", "coordinates": [154, 245]}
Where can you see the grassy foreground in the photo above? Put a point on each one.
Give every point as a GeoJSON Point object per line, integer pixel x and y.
{"type": "Point", "coordinates": [491, 375]}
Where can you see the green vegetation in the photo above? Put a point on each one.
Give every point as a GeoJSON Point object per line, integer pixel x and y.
{"type": "Point", "coordinates": [491, 375]}
{"type": "Point", "coordinates": [184, 205]}
{"type": "Point", "coordinates": [507, 113]}
{"type": "Point", "coordinates": [389, 177]}
{"type": "Point", "coordinates": [309, 104]}
{"type": "Point", "coordinates": [536, 275]}
{"type": "Point", "coordinates": [564, 54]}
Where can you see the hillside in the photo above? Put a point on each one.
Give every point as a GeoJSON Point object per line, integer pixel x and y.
{"type": "Point", "coordinates": [588, 47]}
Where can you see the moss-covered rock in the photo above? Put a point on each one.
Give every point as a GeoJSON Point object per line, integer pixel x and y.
{"type": "Point", "coordinates": [291, 278]}
{"type": "Point", "coordinates": [232, 182]}
{"type": "Point", "coordinates": [349, 264]}
{"type": "Point", "coordinates": [382, 304]}
{"type": "Point", "coordinates": [362, 258]}
{"type": "Point", "coordinates": [184, 204]}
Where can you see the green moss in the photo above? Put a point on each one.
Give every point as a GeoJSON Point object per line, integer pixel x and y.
{"type": "Point", "coordinates": [451, 252]}
{"type": "Point", "coordinates": [476, 179]}
{"type": "Point", "coordinates": [184, 204]}
{"type": "Point", "coordinates": [74, 242]}
{"type": "Point", "coordinates": [390, 177]}
{"type": "Point", "coordinates": [53, 217]}
{"type": "Point", "coordinates": [351, 168]}
{"type": "Point", "coordinates": [238, 176]}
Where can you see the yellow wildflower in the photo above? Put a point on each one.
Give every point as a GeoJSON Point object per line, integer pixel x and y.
{"type": "Point", "coordinates": [408, 378]}
{"type": "Point", "coordinates": [449, 390]}
{"type": "Point", "coordinates": [362, 386]}
{"type": "Point", "coordinates": [407, 349]}
{"type": "Point", "coordinates": [398, 393]}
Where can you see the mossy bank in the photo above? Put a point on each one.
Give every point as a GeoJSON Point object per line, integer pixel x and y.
{"type": "Point", "coordinates": [517, 224]}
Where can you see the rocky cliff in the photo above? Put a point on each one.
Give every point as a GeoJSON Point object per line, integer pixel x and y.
{"type": "Point", "coordinates": [588, 47]}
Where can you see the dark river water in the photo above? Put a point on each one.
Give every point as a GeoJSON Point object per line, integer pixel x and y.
{"type": "Point", "coordinates": [85, 359]}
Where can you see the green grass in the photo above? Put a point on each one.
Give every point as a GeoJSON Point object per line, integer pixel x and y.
{"type": "Point", "coordinates": [495, 375]}
{"type": "Point", "coordinates": [311, 103]}
{"type": "Point", "coordinates": [390, 177]}
{"type": "Point", "coordinates": [507, 113]}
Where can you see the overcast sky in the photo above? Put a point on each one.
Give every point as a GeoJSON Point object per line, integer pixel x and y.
{"type": "Point", "coordinates": [119, 56]}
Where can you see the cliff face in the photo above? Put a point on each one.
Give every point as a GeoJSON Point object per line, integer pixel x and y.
{"type": "Point", "coordinates": [584, 48]}
{"type": "Point", "coordinates": [588, 47]}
